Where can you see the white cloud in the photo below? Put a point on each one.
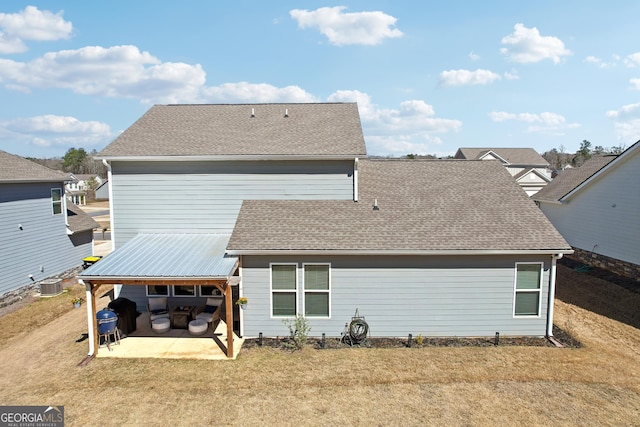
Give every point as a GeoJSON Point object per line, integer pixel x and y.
{"type": "Point", "coordinates": [31, 24]}
{"type": "Point", "coordinates": [250, 92]}
{"type": "Point", "coordinates": [366, 28]}
{"type": "Point", "coordinates": [626, 111]}
{"type": "Point", "coordinates": [474, 56]}
{"type": "Point", "coordinates": [632, 60]}
{"type": "Point", "coordinates": [545, 122]}
{"type": "Point", "coordinates": [626, 123]}
{"type": "Point", "coordinates": [411, 128]}
{"type": "Point", "coordinates": [599, 62]}
{"type": "Point", "coordinates": [511, 75]}
{"type": "Point", "coordinates": [49, 130]}
{"type": "Point", "coordinates": [466, 77]}
{"type": "Point", "coordinates": [635, 83]}
{"type": "Point", "coordinates": [526, 45]}
{"type": "Point", "coordinates": [627, 131]}
{"type": "Point", "coordinates": [119, 71]}
{"type": "Point", "coordinates": [126, 72]}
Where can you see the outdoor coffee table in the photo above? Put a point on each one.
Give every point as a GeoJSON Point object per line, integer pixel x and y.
{"type": "Point", "coordinates": [181, 316]}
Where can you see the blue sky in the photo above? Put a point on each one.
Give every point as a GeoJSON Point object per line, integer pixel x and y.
{"type": "Point", "coordinates": [429, 77]}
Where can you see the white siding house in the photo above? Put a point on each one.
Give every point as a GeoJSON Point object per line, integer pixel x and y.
{"type": "Point", "coordinates": [77, 188]}
{"type": "Point", "coordinates": [596, 208]}
{"type": "Point", "coordinates": [529, 169]}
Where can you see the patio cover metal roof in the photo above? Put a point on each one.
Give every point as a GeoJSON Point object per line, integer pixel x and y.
{"type": "Point", "coordinates": [166, 256]}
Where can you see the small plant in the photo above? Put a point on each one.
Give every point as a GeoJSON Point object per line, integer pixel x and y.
{"type": "Point", "coordinates": [420, 340]}
{"type": "Point", "coordinates": [298, 330]}
{"type": "Point", "coordinates": [76, 300]}
{"type": "Point", "coordinates": [242, 301]}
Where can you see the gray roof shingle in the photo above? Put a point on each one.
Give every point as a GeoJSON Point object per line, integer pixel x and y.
{"type": "Point", "coordinates": [515, 156]}
{"type": "Point", "coordinates": [18, 169]}
{"type": "Point", "coordinates": [430, 205]}
{"type": "Point", "coordinates": [570, 178]}
{"type": "Point", "coordinates": [322, 129]}
{"type": "Point", "coordinates": [79, 220]}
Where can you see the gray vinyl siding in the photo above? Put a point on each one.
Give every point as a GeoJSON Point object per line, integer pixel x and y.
{"type": "Point", "coordinates": [432, 296]}
{"type": "Point", "coordinates": [42, 248]}
{"type": "Point", "coordinates": [604, 217]}
{"type": "Point", "coordinates": [206, 196]}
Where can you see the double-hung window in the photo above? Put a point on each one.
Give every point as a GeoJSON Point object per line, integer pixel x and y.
{"type": "Point", "coordinates": [284, 290]}
{"type": "Point", "coordinates": [56, 200]}
{"type": "Point", "coordinates": [528, 289]}
{"type": "Point", "coordinates": [317, 290]}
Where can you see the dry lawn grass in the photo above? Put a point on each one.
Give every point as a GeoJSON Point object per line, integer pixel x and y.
{"type": "Point", "coordinates": [598, 384]}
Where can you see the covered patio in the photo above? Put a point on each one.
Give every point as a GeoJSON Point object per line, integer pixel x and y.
{"type": "Point", "coordinates": [174, 344]}
{"type": "Point", "coordinates": [168, 260]}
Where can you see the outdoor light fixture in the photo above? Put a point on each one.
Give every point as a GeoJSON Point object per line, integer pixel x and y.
{"type": "Point", "coordinates": [31, 277]}
{"type": "Point", "coordinates": [19, 226]}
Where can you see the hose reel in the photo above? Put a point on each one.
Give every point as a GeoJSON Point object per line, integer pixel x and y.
{"type": "Point", "coordinates": [356, 331]}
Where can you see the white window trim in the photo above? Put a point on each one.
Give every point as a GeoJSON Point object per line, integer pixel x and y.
{"type": "Point", "coordinates": [304, 290]}
{"type": "Point", "coordinates": [53, 203]}
{"type": "Point", "coordinates": [516, 291]}
{"type": "Point", "coordinates": [146, 290]}
{"type": "Point", "coordinates": [271, 290]}
{"type": "Point", "coordinates": [173, 292]}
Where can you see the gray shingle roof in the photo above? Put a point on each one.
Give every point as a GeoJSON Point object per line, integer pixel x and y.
{"type": "Point", "coordinates": [569, 179]}
{"type": "Point", "coordinates": [430, 205]}
{"type": "Point", "coordinates": [79, 220]}
{"type": "Point", "coordinates": [323, 129]}
{"type": "Point", "coordinates": [515, 156]}
{"type": "Point", "coordinates": [18, 169]}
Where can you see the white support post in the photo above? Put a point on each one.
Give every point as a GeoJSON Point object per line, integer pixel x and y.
{"type": "Point", "coordinates": [90, 319]}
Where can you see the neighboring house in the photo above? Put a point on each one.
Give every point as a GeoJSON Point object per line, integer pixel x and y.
{"type": "Point", "coordinates": [596, 207]}
{"type": "Point", "coordinates": [529, 169]}
{"type": "Point", "coordinates": [78, 187]}
{"type": "Point", "coordinates": [102, 192]}
{"type": "Point", "coordinates": [278, 203]}
{"type": "Point", "coordinates": [41, 233]}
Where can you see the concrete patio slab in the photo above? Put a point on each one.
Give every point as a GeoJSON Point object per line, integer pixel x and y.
{"type": "Point", "coordinates": [175, 344]}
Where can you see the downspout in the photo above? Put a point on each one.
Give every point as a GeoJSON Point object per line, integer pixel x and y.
{"type": "Point", "coordinates": [552, 293]}
{"type": "Point", "coordinates": [355, 179]}
{"type": "Point", "coordinates": [63, 203]}
{"type": "Point", "coordinates": [90, 319]}
{"type": "Point", "coordinates": [110, 179]}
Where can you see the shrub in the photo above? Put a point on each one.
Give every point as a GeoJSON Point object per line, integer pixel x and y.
{"type": "Point", "coordinates": [298, 330]}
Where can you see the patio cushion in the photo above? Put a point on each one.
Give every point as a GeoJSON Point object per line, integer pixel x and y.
{"type": "Point", "coordinates": [198, 327]}
{"type": "Point", "coordinates": [210, 308]}
{"type": "Point", "coordinates": [160, 325]}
